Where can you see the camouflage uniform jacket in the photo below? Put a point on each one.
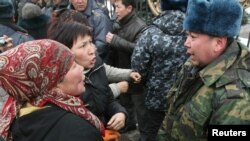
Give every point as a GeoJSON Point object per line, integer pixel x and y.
{"type": "Point", "coordinates": [159, 55]}
{"type": "Point", "coordinates": [218, 94]}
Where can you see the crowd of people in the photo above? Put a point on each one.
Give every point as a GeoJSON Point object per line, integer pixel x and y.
{"type": "Point", "coordinates": [70, 71]}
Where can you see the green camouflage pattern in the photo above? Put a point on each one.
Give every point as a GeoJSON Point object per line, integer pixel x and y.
{"type": "Point", "coordinates": [218, 94]}
{"type": "Point", "coordinates": [245, 3]}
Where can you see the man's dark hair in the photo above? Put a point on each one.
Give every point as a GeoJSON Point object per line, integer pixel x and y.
{"type": "Point", "coordinates": [129, 2]}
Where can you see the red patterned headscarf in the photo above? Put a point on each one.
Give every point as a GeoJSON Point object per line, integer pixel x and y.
{"type": "Point", "coordinates": [30, 72]}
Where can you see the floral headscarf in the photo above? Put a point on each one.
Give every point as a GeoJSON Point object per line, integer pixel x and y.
{"type": "Point", "coordinates": [30, 72]}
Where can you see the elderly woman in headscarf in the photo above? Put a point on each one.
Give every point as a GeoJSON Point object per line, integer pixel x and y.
{"type": "Point", "coordinates": [44, 82]}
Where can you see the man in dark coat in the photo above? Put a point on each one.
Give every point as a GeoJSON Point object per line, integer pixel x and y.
{"type": "Point", "coordinates": [122, 41]}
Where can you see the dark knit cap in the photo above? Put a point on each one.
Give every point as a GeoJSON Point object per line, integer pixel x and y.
{"type": "Point", "coordinates": [214, 17]}
{"type": "Point", "coordinates": [31, 10]}
{"type": "Point", "coordinates": [174, 5]}
{"type": "Point", "coordinates": [6, 9]}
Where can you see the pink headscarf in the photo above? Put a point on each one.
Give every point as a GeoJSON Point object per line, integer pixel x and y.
{"type": "Point", "coordinates": [29, 72]}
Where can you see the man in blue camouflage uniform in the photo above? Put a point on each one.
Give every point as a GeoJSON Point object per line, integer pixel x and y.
{"type": "Point", "coordinates": [158, 57]}
{"type": "Point", "coordinates": [213, 86]}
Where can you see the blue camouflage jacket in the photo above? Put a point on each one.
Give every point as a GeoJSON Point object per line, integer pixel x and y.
{"type": "Point", "coordinates": [158, 55]}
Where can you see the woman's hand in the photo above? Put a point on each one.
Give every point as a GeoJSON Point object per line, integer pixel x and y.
{"type": "Point", "coordinates": [117, 121]}
{"type": "Point", "coordinates": [136, 77]}
{"type": "Point", "coordinates": [123, 86]}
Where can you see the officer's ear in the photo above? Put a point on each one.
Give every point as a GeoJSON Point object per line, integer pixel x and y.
{"type": "Point", "coordinates": [221, 43]}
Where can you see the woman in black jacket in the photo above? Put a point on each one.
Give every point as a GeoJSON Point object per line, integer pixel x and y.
{"type": "Point", "coordinates": [98, 95]}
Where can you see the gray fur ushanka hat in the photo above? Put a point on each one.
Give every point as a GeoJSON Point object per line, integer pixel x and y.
{"type": "Point", "coordinates": [31, 10]}
{"type": "Point", "coordinates": [214, 17]}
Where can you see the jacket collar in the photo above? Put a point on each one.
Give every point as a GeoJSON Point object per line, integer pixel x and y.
{"type": "Point", "coordinates": [127, 18]}
{"type": "Point", "coordinates": [99, 64]}
{"type": "Point", "coordinates": [214, 72]}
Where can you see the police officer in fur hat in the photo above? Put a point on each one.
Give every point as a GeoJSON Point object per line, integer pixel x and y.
{"type": "Point", "coordinates": [213, 85]}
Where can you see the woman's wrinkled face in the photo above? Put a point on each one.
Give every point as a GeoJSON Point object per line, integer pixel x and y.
{"type": "Point", "coordinates": [73, 81]}
{"type": "Point", "coordinates": [79, 5]}
{"type": "Point", "coordinates": [84, 51]}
